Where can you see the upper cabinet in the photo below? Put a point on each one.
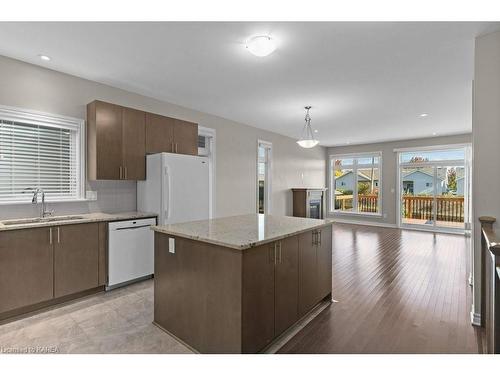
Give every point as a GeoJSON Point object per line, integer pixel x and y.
{"type": "Point", "coordinates": [115, 142]}
{"type": "Point", "coordinates": [159, 134]}
{"type": "Point", "coordinates": [165, 134]}
{"type": "Point", "coordinates": [118, 139]}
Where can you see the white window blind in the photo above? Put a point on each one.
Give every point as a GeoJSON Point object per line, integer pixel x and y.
{"type": "Point", "coordinates": [39, 151]}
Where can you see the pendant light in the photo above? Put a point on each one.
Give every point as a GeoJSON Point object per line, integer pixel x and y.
{"type": "Point", "coordinates": [307, 140]}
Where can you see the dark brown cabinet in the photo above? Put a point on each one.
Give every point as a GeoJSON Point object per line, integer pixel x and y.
{"type": "Point", "coordinates": [76, 258]}
{"type": "Point", "coordinates": [133, 144]}
{"type": "Point", "coordinates": [315, 267]}
{"type": "Point", "coordinates": [40, 265]}
{"type": "Point", "coordinates": [270, 275]}
{"type": "Point", "coordinates": [118, 139]}
{"type": "Point", "coordinates": [258, 303]}
{"type": "Point", "coordinates": [115, 142]}
{"type": "Point", "coordinates": [159, 134]}
{"type": "Point", "coordinates": [185, 137]}
{"type": "Point", "coordinates": [26, 263]}
{"type": "Point", "coordinates": [104, 141]}
{"type": "Point", "coordinates": [165, 134]}
{"type": "Point", "coordinates": [286, 284]}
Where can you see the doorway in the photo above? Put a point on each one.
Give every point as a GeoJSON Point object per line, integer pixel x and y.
{"type": "Point", "coordinates": [433, 191]}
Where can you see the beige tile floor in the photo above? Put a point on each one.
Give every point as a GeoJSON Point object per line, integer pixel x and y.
{"type": "Point", "coordinates": [118, 321]}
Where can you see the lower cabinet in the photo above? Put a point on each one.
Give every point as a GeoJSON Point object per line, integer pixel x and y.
{"type": "Point", "coordinates": [40, 264]}
{"type": "Point", "coordinates": [315, 267]}
{"type": "Point", "coordinates": [26, 264]}
{"type": "Point", "coordinates": [76, 258]}
{"type": "Point", "coordinates": [270, 292]}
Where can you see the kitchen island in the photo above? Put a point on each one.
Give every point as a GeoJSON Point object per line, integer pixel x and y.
{"type": "Point", "coordinates": [234, 284]}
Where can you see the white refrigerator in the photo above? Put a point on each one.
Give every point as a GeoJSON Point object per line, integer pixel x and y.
{"type": "Point", "coordinates": [176, 188]}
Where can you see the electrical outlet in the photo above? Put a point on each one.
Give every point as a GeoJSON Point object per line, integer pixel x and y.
{"type": "Point", "coordinates": [91, 195]}
{"type": "Point", "coordinates": [171, 245]}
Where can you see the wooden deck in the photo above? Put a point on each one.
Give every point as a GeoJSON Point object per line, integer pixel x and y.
{"type": "Point", "coordinates": [398, 291]}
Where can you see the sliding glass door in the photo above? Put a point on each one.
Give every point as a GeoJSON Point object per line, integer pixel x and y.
{"type": "Point", "coordinates": [433, 188]}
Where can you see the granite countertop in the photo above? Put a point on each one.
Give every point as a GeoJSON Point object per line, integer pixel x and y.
{"type": "Point", "coordinates": [242, 232]}
{"type": "Point", "coordinates": [76, 219]}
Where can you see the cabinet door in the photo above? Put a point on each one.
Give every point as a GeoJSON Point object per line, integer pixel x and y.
{"type": "Point", "coordinates": [108, 128]}
{"type": "Point", "coordinates": [308, 278]}
{"type": "Point", "coordinates": [324, 262]}
{"type": "Point", "coordinates": [26, 261]}
{"type": "Point", "coordinates": [286, 284]}
{"type": "Point", "coordinates": [258, 298]}
{"type": "Point", "coordinates": [159, 134]}
{"type": "Point", "coordinates": [76, 258]}
{"type": "Point", "coordinates": [134, 144]}
{"type": "Point", "coordinates": [185, 137]}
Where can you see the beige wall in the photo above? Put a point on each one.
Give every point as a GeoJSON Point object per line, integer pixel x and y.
{"type": "Point", "coordinates": [32, 87]}
{"type": "Point", "coordinates": [486, 138]}
{"type": "Point", "coordinates": [389, 171]}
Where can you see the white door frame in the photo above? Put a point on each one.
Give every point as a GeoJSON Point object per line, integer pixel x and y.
{"type": "Point", "coordinates": [268, 190]}
{"type": "Point", "coordinates": [211, 134]}
{"type": "Point", "coordinates": [435, 164]}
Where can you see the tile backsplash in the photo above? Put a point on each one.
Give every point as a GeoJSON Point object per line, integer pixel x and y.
{"type": "Point", "coordinates": [112, 196]}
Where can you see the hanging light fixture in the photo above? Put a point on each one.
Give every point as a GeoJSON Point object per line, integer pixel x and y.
{"type": "Point", "coordinates": [307, 140]}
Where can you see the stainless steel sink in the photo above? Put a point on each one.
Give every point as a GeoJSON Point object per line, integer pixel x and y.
{"type": "Point", "coordinates": [35, 220]}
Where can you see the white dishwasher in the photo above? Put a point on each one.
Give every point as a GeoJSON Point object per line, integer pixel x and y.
{"type": "Point", "coordinates": [130, 251]}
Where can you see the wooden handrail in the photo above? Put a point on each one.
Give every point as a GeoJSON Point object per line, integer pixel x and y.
{"type": "Point", "coordinates": [490, 284]}
{"type": "Point", "coordinates": [492, 241]}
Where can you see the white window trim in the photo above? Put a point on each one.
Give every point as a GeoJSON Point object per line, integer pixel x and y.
{"type": "Point", "coordinates": [56, 121]}
{"type": "Point", "coordinates": [331, 190]}
{"type": "Point", "coordinates": [269, 172]}
{"type": "Point", "coordinates": [439, 163]}
{"type": "Point", "coordinates": [211, 133]}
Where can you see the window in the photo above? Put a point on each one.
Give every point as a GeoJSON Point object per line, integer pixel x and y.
{"type": "Point", "coordinates": [355, 183]}
{"type": "Point", "coordinates": [40, 151]}
{"type": "Point", "coordinates": [432, 186]}
{"type": "Point", "coordinates": [264, 157]}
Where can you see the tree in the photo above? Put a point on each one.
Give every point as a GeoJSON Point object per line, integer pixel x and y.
{"type": "Point", "coordinates": [452, 179]}
{"type": "Point", "coordinates": [418, 159]}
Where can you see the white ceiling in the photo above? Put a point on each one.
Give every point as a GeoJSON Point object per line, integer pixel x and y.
{"type": "Point", "coordinates": [366, 82]}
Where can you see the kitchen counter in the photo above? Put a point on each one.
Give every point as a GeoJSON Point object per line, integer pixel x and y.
{"type": "Point", "coordinates": [76, 219]}
{"type": "Point", "coordinates": [235, 284]}
{"type": "Point", "coordinates": [244, 231]}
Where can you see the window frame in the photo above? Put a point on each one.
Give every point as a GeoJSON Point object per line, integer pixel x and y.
{"type": "Point", "coordinates": [268, 189]}
{"type": "Point", "coordinates": [331, 181]}
{"type": "Point", "coordinates": [29, 116]}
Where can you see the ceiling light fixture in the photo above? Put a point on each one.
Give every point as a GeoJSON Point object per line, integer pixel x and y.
{"type": "Point", "coordinates": [307, 140]}
{"type": "Point", "coordinates": [44, 57]}
{"type": "Point", "coordinates": [261, 45]}
{"type": "Point", "coordinates": [424, 115]}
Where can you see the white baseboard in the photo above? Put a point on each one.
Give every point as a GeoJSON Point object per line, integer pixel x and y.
{"type": "Point", "coordinates": [475, 318]}
{"type": "Point", "coordinates": [363, 222]}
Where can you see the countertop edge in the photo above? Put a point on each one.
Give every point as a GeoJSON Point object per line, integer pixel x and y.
{"type": "Point", "coordinates": [119, 216]}
{"type": "Point", "coordinates": [160, 229]}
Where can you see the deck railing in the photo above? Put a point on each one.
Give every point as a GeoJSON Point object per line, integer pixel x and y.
{"type": "Point", "coordinates": [449, 209]}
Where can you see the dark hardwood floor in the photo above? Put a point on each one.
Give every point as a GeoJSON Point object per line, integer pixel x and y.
{"type": "Point", "coordinates": [398, 291]}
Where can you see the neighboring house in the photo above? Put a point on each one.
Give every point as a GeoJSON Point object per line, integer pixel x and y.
{"type": "Point", "coordinates": [420, 182]}
{"type": "Point", "coordinates": [346, 181]}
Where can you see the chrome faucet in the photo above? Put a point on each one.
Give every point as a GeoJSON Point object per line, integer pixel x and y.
{"type": "Point", "coordinates": [43, 208]}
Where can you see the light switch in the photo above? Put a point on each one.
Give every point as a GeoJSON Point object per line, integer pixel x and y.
{"type": "Point", "coordinates": [171, 245]}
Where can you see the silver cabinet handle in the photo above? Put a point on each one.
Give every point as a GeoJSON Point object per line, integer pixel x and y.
{"type": "Point", "coordinates": [121, 174]}
{"type": "Point", "coordinates": [275, 252]}
{"type": "Point", "coordinates": [271, 249]}
{"type": "Point", "coordinates": [50, 235]}
{"type": "Point", "coordinates": [280, 258]}
{"type": "Point", "coordinates": [173, 149]}
{"type": "Point", "coordinates": [58, 236]}
{"type": "Point", "coordinates": [176, 149]}
{"type": "Point", "coordinates": [125, 168]}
